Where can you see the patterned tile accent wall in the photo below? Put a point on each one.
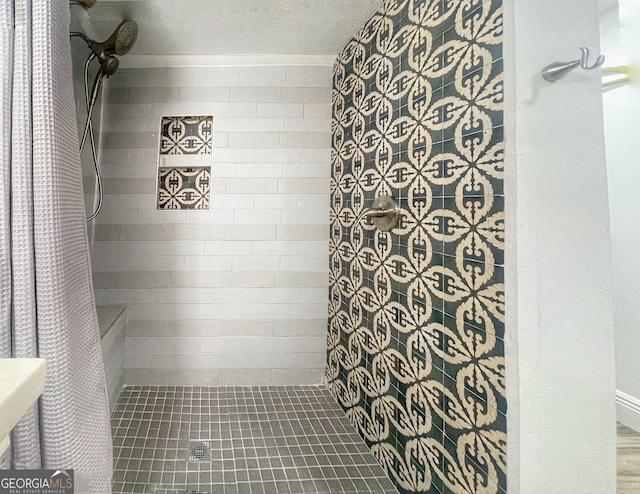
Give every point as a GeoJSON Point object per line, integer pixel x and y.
{"type": "Point", "coordinates": [415, 346]}
{"type": "Point", "coordinates": [186, 135]}
{"type": "Point", "coordinates": [184, 188]}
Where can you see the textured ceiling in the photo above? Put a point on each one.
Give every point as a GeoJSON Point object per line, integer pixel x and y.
{"type": "Point", "coordinates": [235, 27]}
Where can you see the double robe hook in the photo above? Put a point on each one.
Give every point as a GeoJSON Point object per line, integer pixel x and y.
{"type": "Point", "coordinates": [558, 70]}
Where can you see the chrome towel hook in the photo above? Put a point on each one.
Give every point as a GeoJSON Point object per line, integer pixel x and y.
{"type": "Point", "coordinates": [584, 60]}
{"type": "Point", "coordinates": [558, 70]}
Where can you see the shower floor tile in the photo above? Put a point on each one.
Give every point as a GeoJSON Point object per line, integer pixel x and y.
{"type": "Point", "coordinates": [247, 440]}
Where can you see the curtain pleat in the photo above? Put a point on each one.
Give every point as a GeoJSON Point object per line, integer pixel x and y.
{"type": "Point", "coordinates": [46, 297]}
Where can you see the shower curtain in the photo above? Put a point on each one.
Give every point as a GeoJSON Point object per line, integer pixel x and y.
{"type": "Point", "coordinates": [47, 307]}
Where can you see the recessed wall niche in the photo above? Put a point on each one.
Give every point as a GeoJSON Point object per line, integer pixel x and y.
{"type": "Point", "coordinates": [184, 162]}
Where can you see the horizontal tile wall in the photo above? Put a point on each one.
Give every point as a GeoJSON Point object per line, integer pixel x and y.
{"type": "Point", "coordinates": [237, 294]}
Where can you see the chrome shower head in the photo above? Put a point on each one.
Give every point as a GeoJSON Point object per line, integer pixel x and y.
{"type": "Point", "coordinates": [119, 43]}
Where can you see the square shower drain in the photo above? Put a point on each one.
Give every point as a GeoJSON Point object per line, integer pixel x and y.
{"type": "Point", "coordinates": [199, 451]}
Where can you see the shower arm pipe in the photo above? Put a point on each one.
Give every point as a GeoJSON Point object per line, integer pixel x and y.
{"type": "Point", "coordinates": [78, 34]}
{"type": "Point", "coordinates": [90, 44]}
{"type": "Point", "coordinates": [85, 4]}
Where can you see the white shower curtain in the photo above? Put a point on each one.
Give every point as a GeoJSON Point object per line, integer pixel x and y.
{"type": "Point", "coordinates": [47, 307]}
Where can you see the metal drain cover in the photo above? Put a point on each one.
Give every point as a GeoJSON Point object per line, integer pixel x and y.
{"type": "Point", "coordinates": [199, 451]}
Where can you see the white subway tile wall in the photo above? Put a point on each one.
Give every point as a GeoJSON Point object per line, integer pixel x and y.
{"type": "Point", "coordinates": [237, 294]}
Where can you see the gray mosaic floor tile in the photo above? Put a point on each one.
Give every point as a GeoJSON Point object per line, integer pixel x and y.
{"type": "Point", "coordinates": [234, 440]}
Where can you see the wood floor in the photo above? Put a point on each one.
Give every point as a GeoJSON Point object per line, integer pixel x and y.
{"type": "Point", "coordinates": [628, 460]}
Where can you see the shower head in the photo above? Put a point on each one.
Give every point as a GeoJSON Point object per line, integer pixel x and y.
{"type": "Point", "coordinates": [109, 65]}
{"type": "Point", "coordinates": [119, 43]}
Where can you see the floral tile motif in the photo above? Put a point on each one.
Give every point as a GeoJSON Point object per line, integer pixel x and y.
{"type": "Point", "coordinates": [184, 188]}
{"type": "Point", "coordinates": [186, 135]}
{"type": "Point", "coordinates": [415, 346]}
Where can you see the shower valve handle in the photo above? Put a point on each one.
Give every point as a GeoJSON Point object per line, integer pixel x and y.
{"type": "Point", "coordinates": [374, 213]}
{"type": "Point", "coordinates": [384, 213]}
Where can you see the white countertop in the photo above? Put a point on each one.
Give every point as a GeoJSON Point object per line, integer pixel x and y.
{"type": "Point", "coordinates": [21, 383]}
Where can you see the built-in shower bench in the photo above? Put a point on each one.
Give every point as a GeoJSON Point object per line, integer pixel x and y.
{"type": "Point", "coordinates": [112, 321]}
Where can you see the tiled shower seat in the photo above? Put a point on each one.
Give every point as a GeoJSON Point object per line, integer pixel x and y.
{"type": "Point", "coordinates": [112, 321]}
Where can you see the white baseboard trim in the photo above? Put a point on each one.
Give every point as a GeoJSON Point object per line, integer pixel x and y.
{"type": "Point", "coordinates": [628, 410]}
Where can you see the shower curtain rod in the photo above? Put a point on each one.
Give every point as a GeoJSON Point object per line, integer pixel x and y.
{"type": "Point", "coordinates": [623, 71]}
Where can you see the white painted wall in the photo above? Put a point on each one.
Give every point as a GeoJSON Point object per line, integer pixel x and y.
{"type": "Point", "coordinates": [621, 38]}
{"type": "Point", "coordinates": [237, 294]}
{"type": "Point", "coordinates": [560, 363]}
